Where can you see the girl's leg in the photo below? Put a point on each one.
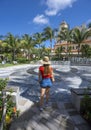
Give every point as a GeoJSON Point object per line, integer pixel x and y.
{"type": "Point", "coordinates": [47, 94]}
{"type": "Point", "coordinates": [42, 93]}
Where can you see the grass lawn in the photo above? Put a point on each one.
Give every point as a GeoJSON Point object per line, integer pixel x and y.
{"type": "Point", "coordinates": [9, 64]}
{"type": "Point", "coordinates": [6, 65]}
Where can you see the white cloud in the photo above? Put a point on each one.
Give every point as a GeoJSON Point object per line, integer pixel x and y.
{"type": "Point", "coordinates": [54, 6]}
{"type": "Point", "coordinates": [41, 19]}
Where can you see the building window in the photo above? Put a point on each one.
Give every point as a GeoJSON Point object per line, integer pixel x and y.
{"type": "Point", "coordinates": [63, 48]}
{"type": "Point", "coordinates": [76, 47]}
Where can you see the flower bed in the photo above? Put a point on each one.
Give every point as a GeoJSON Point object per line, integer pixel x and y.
{"type": "Point", "coordinates": [86, 108]}
{"type": "Point", "coordinates": [7, 106]}
{"type": "Point", "coordinates": [0, 108]}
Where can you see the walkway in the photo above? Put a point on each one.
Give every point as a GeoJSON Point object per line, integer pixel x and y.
{"type": "Point", "coordinates": [60, 114]}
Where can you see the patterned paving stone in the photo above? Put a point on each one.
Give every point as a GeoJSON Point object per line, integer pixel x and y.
{"type": "Point", "coordinates": [68, 105]}
{"type": "Point", "coordinates": [54, 105]}
{"type": "Point", "coordinates": [40, 127]}
{"type": "Point", "coordinates": [52, 125]}
{"type": "Point", "coordinates": [28, 128]}
{"type": "Point", "coordinates": [55, 116]}
{"type": "Point", "coordinates": [72, 112]}
{"type": "Point", "coordinates": [19, 126]}
{"type": "Point", "coordinates": [84, 127]}
{"type": "Point", "coordinates": [78, 120]}
{"type": "Point", "coordinates": [61, 105]}
{"type": "Point", "coordinates": [67, 123]}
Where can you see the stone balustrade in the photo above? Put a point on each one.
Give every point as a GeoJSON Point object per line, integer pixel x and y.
{"type": "Point", "coordinates": [80, 61]}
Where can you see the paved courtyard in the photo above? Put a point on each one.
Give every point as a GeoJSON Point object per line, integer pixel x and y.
{"type": "Point", "coordinates": [61, 114]}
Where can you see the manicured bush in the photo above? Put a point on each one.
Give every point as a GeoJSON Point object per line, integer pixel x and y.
{"type": "Point", "coordinates": [22, 60]}
{"type": "Point", "coordinates": [3, 83]}
{"type": "Point", "coordinates": [86, 107]}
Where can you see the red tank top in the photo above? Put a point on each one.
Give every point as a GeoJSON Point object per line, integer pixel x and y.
{"type": "Point", "coordinates": [41, 69]}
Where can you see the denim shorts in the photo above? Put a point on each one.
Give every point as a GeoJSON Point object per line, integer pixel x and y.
{"type": "Point", "coordinates": [46, 83]}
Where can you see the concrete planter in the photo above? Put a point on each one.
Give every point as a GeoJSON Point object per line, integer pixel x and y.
{"type": "Point", "coordinates": [77, 96]}
{"type": "Point", "coordinates": [14, 93]}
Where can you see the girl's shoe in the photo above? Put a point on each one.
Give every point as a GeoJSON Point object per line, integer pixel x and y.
{"type": "Point", "coordinates": [46, 105]}
{"type": "Point", "coordinates": [41, 109]}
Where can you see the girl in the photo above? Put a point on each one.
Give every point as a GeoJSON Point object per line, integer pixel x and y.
{"type": "Point", "coordinates": [46, 78]}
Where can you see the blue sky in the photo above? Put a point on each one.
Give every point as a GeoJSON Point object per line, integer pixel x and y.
{"type": "Point", "coordinates": [30, 16]}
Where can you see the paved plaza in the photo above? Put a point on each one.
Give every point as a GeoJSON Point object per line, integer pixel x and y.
{"type": "Point", "coordinates": [60, 114]}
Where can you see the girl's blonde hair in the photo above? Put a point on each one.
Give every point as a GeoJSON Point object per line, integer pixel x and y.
{"type": "Point", "coordinates": [47, 70]}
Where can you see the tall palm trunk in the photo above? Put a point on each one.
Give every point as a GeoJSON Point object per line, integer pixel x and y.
{"type": "Point", "coordinates": [13, 54]}
{"type": "Point", "coordinates": [78, 50]}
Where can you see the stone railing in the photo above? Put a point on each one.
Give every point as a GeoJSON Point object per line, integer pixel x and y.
{"type": "Point", "coordinates": [60, 62]}
{"type": "Point", "coordinates": [71, 61]}
{"type": "Point", "coordinates": [57, 62]}
{"type": "Point", "coordinates": [80, 61]}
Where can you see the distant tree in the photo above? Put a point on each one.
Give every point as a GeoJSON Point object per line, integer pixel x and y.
{"type": "Point", "coordinates": [58, 52]}
{"type": "Point", "coordinates": [27, 44]}
{"type": "Point", "coordinates": [12, 43]}
{"type": "Point", "coordinates": [45, 51]}
{"type": "Point", "coordinates": [80, 34]}
{"type": "Point", "coordinates": [65, 35]}
{"type": "Point", "coordinates": [38, 40]}
{"type": "Point", "coordinates": [89, 25]}
{"type": "Point", "coordinates": [86, 51]}
{"type": "Point", "coordinates": [49, 35]}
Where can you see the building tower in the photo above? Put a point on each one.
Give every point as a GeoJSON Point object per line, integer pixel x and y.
{"type": "Point", "coordinates": [63, 26]}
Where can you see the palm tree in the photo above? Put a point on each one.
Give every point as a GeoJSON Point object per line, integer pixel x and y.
{"type": "Point", "coordinates": [45, 51]}
{"type": "Point", "coordinates": [69, 50]}
{"type": "Point", "coordinates": [85, 49]}
{"type": "Point", "coordinates": [80, 34]}
{"type": "Point", "coordinates": [49, 35]}
{"type": "Point", "coordinates": [1, 46]}
{"type": "Point", "coordinates": [38, 40]}
{"type": "Point", "coordinates": [89, 25]}
{"type": "Point", "coordinates": [27, 44]}
{"type": "Point", "coordinates": [58, 51]}
{"type": "Point", "coordinates": [65, 35]}
{"type": "Point", "coordinates": [12, 43]}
